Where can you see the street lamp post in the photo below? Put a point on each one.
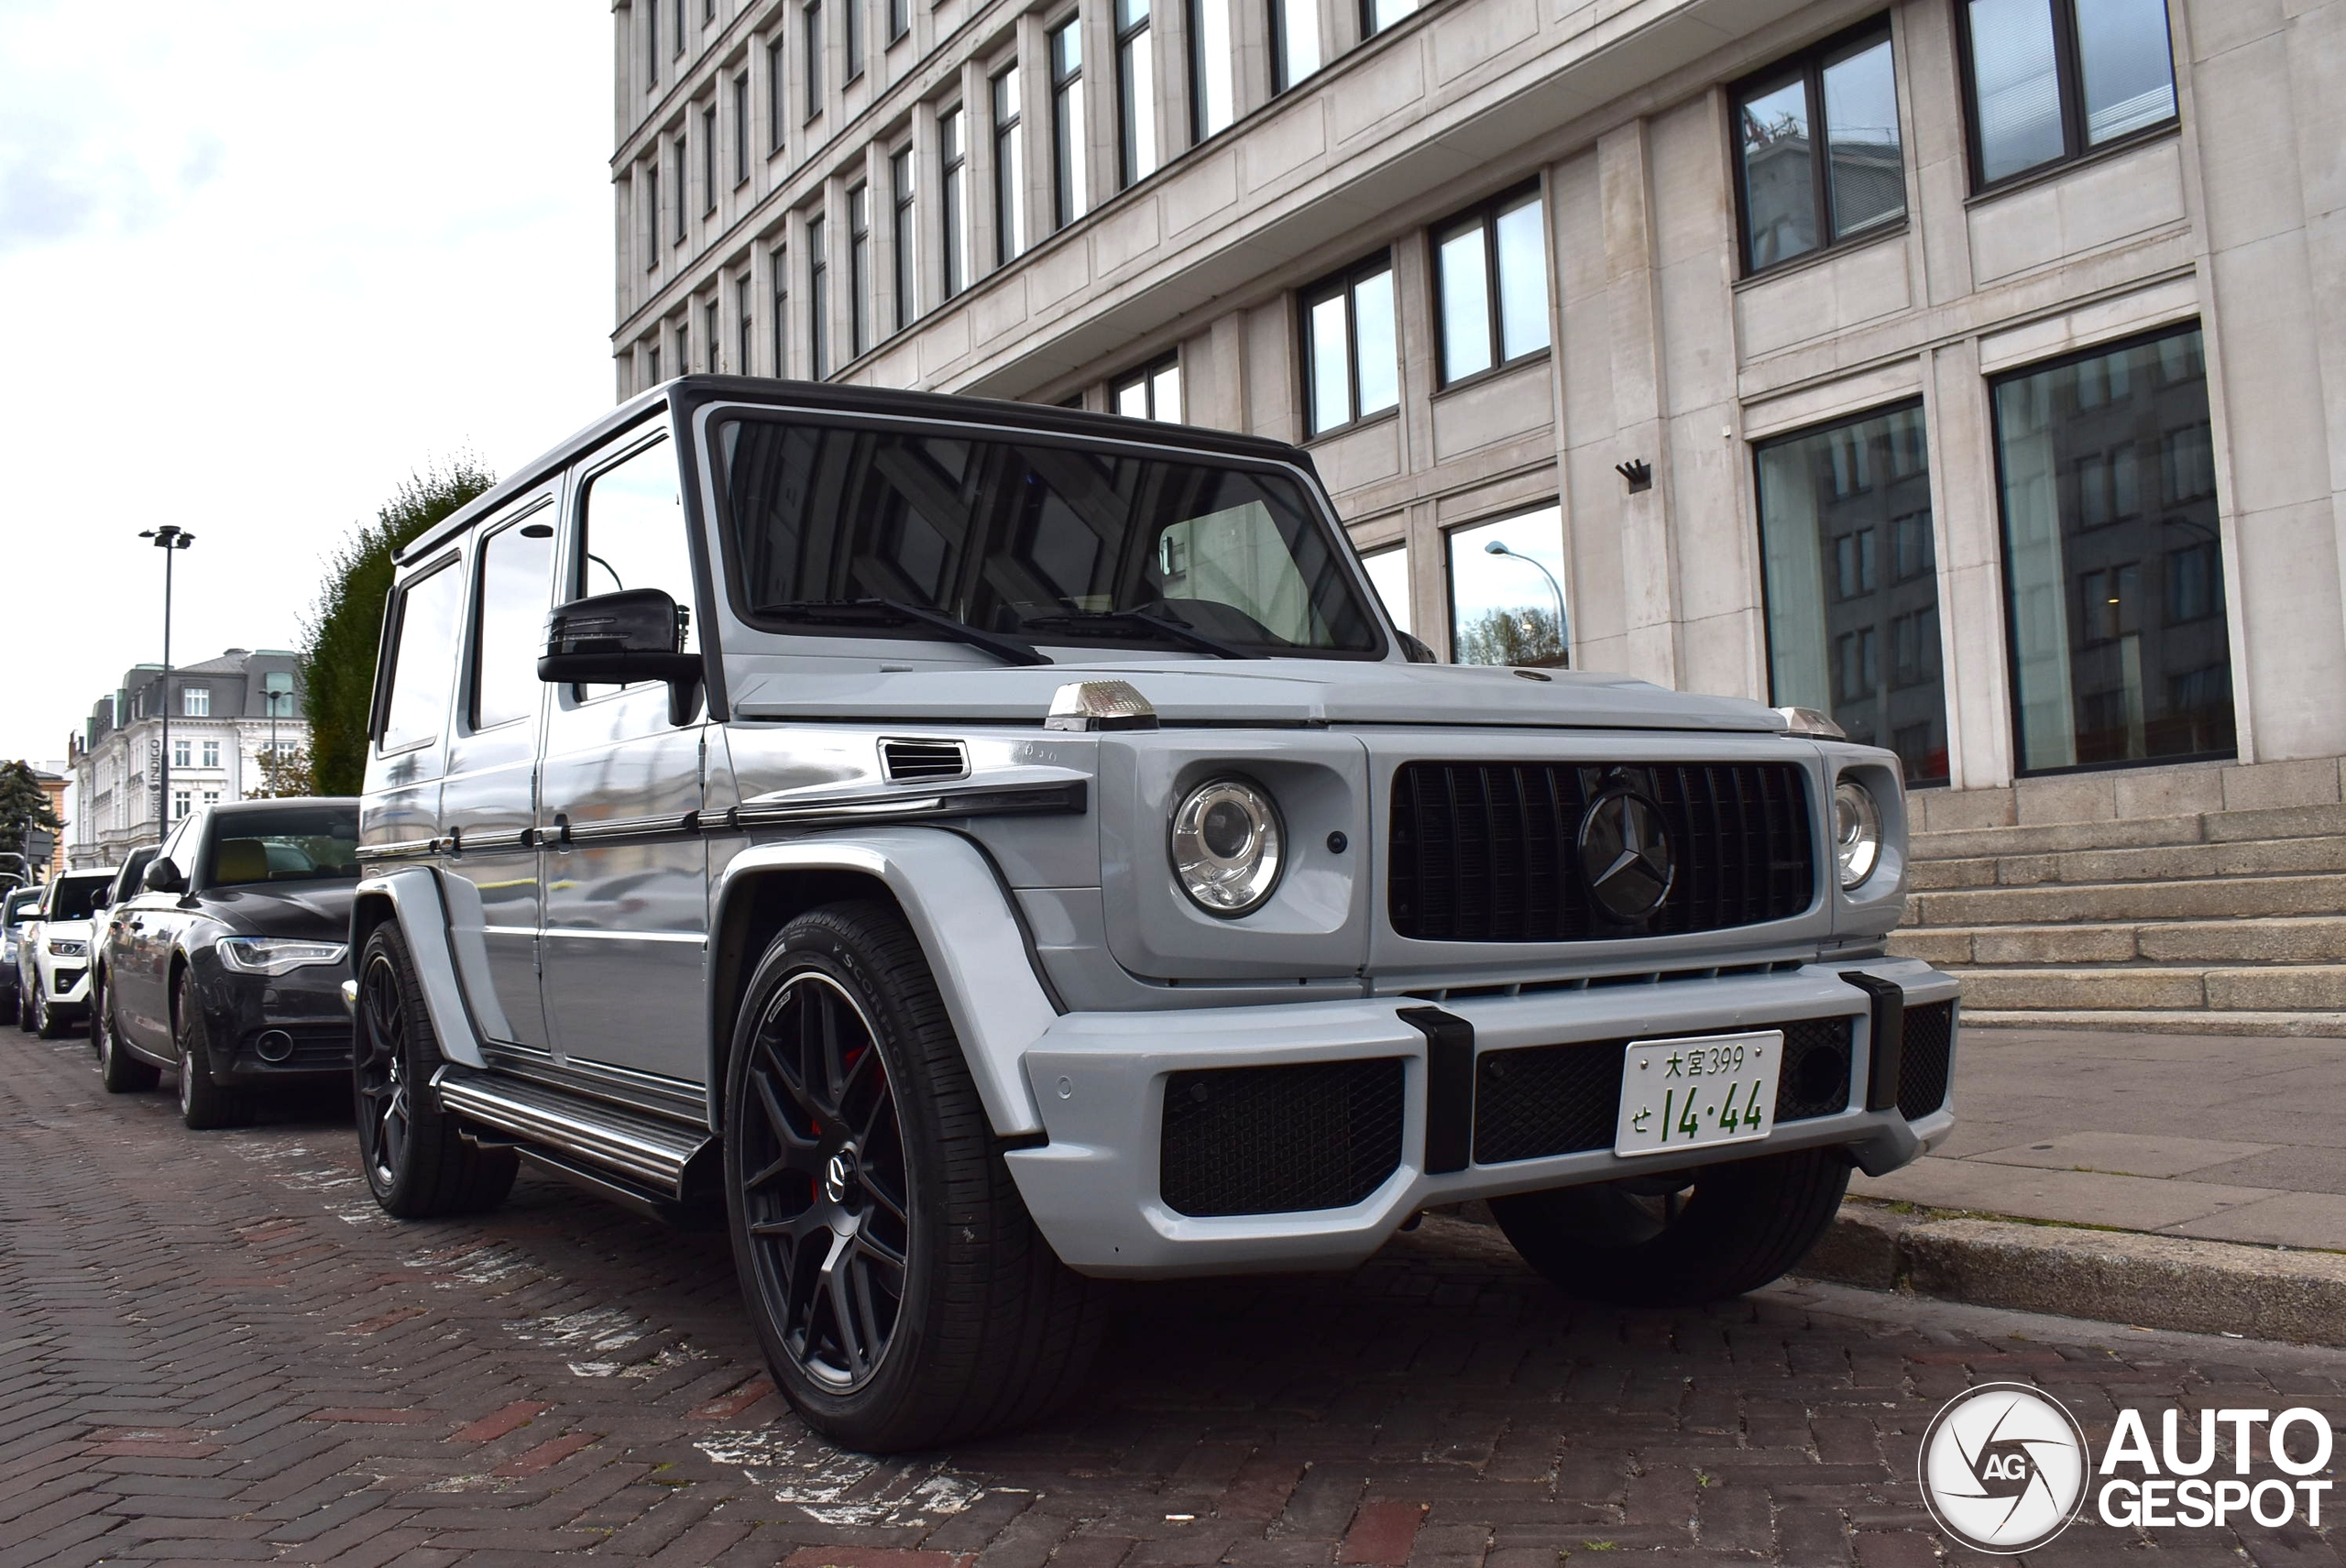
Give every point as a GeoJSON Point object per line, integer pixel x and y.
{"type": "Point", "coordinates": [170, 539]}
{"type": "Point", "coordinates": [1563, 626]}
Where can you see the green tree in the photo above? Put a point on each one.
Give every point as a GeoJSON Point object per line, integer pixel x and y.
{"type": "Point", "coordinates": [284, 775]}
{"type": "Point", "coordinates": [23, 805]}
{"type": "Point", "coordinates": [339, 641]}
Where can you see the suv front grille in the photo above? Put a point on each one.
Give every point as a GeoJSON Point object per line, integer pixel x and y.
{"type": "Point", "coordinates": [1552, 1100]}
{"type": "Point", "coordinates": [1926, 1054]}
{"type": "Point", "coordinates": [1274, 1140]}
{"type": "Point", "coordinates": [1490, 852]}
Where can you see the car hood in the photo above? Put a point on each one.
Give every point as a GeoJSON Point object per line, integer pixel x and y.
{"type": "Point", "coordinates": [57, 930]}
{"type": "Point", "coordinates": [319, 910]}
{"type": "Point", "coordinates": [1257, 692]}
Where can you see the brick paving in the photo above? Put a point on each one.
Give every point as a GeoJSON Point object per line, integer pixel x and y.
{"type": "Point", "coordinates": [213, 1347]}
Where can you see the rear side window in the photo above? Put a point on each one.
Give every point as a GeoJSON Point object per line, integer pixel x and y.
{"type": "Point", "coordinates": [430, 613]}
{"type": "Point", "coordinates": [516, 576]}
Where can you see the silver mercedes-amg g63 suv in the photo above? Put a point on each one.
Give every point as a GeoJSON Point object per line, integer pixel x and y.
{"type": "Point", "coordinates": [978, 849]}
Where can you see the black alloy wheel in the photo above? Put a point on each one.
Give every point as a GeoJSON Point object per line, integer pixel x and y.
{"type": "Point", "coordinates": [121, 1072]}
{"type": "Point", "coordinates": [827, 1199]}
{"type": "Point", "coordinates": [418, 1162]}
{"type": "Point", "coordinates": [900, 1291]}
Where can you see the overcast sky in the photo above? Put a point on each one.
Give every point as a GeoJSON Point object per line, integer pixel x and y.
{"type": "Point", "coordinates": [261, 260]}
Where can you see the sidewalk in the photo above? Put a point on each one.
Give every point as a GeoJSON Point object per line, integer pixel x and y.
{"type": "Point", "coordinates": [2219, 1137]}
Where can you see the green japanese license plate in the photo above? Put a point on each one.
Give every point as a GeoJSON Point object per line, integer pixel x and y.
{"type": "Point", "coordinates": [1707, 1088]}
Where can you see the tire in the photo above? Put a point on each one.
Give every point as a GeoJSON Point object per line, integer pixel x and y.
{"type": "Point", "coordinates": [952, 1316]}
{"type": "Point", "coordinates": [205, 1104]}
{"type": "Point", "coordinates": [1741, 1225]}
{"type": "Point", "coordinates": [418, 1164]}
{"type": "Point", "coordinates": [121, 1072]}
{"type": "Point", "coordinates": [40, 1024]}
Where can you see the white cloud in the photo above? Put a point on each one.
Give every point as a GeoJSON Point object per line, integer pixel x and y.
{"type": "Point", "coordinates": [260, 261]}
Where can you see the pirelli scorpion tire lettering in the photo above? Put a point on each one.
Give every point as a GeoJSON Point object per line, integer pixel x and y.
{"type": "Point", "coordinates": [418, 1164]}
{"type": "Point", "coordinates": [902, 1293]}
{"type": "Point", "coordinates": [1682, 1238]}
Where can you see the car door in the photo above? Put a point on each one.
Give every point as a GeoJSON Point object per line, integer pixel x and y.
{"type": "Point", "coordinates": [625, 887]}
{"type": "Point", "coordinates": [489, 797]}
{"type": "Point", "coordinates": [143, 974]}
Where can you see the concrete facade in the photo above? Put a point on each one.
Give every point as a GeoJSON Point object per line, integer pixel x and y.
{"type": "Point", "coordinates": [1664, 353]}
{"type": "Point", "coordinates": [225, 730]}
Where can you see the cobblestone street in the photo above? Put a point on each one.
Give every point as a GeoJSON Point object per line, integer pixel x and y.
{"type": "Point", "coordinates": [214, 1347]}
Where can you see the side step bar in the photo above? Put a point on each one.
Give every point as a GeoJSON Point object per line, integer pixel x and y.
{"type": "Point", "coordinates": [643, 1150]}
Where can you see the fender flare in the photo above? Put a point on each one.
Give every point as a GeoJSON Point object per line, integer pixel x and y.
{"type": "Point", "coordinates": [960, 915]}
{"type": "Point", "coordinates": [411, 895]}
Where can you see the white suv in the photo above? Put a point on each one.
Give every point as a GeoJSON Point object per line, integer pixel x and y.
{"type": "Point", "coordinates": [53, 954]}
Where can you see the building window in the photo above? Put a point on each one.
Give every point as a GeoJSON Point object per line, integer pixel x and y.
{"type": "Point", "coordinates": [182, 753]}
{"type": "Point", "coordinates": [1491, 282]}
{"type": "Point", "coordinates": [777, 73]}
{"type": "Point", "coordinates": [858, 268]}
{"type": "Point", "coordinates": [1214, 88]}
{"type": "Point", "coordinates": [742, 128]}
{"type": "Point", "coordinates": [1852, 583]}
{"type": "Point", "coordinates": [811, 23]}
{"type": "Point", "coordinates": [818, 303]}
{"type": "Point", "coordinates": [684, 347]}
{"type": "Point", "coordinates": [182, 802]}
{"type": "Point", "coordinates": [903, 238]}
{"type": "Point", "coordinates": [851, 36]}
{"type": "Point", "coordinates": [680, 29]}
{"type": "Point", "coordinates": [652, 365]}
{"type": "Point", "coordinates": [712, 331]}
{"type": "Point", "coordinates": [709, 157]}
{"type": "Point", "coordinates": [2051, 80]}
{"type": "Point", "coordinates": [779, 263]}
{"type": "Point", "coordinates": [1153, 392]}
{"type": "Point", "coordinates": [743, 332]}
{"type": "Point", "coordinates": [1793, 201]}
{"type": "Point", "coordinates": [1389, 574]}
{"type": "Point", "coordinates": [1067, 185]}
{"type": "Point", "coordinates": [1135, 95]}
{"type": "Point", "coordinates": [212, 753]}
{"type": "Point", "coordinates": [684, 187]}
{"type": "Point", "coordinates": [1009, 171]}
{"type": "Point", "coordinates": [1375, 15]}
{"type": "Point", "coordinates": [1350, 361]}
{"type": "Point", "coordinates": [1295, 41]}
{"type": "Point", "coordinates": [953, 198]}
{"type": "Point", "coordinates": [900, 18]}
{"type": "Point", "coordinates": [195, 702]}
{"type": "Point", "coordinates": [2121, 645]}
{"type": "Point", "coordinates": [1507, 591]}
{"type": "Point", "coordinates": [651, 183]}
{"type": "Point", "coordinates": [650, 45]}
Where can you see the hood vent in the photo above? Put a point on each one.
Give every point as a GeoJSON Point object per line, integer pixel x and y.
{"type": "Point", "coordinates": [922, 761]}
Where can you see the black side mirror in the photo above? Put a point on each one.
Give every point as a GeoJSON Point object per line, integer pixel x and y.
{"type": "Point", "coordinates": [636, 634]}
{"type": "Point", "coordinates": [162, 876]}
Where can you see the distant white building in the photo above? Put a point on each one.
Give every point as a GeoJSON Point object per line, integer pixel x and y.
{"type": "Point", "coordinates": [225, 714]}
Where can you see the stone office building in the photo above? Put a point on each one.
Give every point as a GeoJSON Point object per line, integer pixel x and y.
{"type": "Point", "coordinates": [1955, 367]}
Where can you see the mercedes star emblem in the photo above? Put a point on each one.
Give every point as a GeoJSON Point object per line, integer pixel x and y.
{"type": "Point", "coordinates": [1624, 854]}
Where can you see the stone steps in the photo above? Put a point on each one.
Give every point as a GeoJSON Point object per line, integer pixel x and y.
{"type": "Point", "coordinates": [2168, 862]}
{"type": "Point", "coordinates": [2273, 988]}
{"type": "Point", "coordinates": [2293, 940]}
{"type": "Point", "coordinates": [2131, 833]}
{"type": "Point", "coordinates": [2198, 898]}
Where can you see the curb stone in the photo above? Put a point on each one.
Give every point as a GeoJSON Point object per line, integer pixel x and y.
{"type": "Point", "coordinates": [2156, 1281]}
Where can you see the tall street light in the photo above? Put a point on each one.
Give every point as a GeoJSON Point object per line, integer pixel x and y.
{"type": "Point", "coordinates": [170, 539]}
{"type": "Point", "coordinates": [1563, 627]}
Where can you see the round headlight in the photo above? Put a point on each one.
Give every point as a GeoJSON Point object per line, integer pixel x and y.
{"type": "Point", "coordinates": [1856, 831]}
{"type": "Point", "coordinates": [1226, 846]}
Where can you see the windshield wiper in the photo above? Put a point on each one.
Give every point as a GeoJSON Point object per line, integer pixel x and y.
{"type": "Point", "coordinates": [1180, 632]}
{"type": "Point", "coordinates": [1009, 649]}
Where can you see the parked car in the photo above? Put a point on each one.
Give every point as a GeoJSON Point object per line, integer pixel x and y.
{"type": "Point", "coordinates": [226, 965]}
{"type": "Point", "coordinates": [989, 847]}
{"type": "Point", "coordinates": [16, 907]}
{"type": "Point", "coordinates": [53, 953]}
{"type": "Point", "coordinates": [111, 908]}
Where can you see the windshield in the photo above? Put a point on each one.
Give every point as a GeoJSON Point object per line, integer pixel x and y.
{"type": "Point", "coordinates": [1032, 539]}
{"type": "Point", "coordinates": [72, 901]}
{"type": "Point", "coordinates": [20, 905]}
{"type": "Point", "coordinates": [309, 843]}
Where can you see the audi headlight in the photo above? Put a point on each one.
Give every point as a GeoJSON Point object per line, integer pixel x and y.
{"type": "Point", "coordinates": [1226, 842]}
{"type": "Point", "coordinates": [67, 947]}
{"type": "Point", "coordinates": [276, 954]}
{"type": "Point", "coordinates": [1857, 832]}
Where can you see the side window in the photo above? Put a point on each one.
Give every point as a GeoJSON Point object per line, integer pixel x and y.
{"type": "Point", "coordinates": [430, 613]}
{"type": "Point", "coordinates": [631, 535]}
{"type": "Point", "coordinates": [516, 579]}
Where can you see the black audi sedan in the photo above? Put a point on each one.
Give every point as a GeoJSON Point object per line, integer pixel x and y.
{"type": "Point", "coordinates": [227, 964]}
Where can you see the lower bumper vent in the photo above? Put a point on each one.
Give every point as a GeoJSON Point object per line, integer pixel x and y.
{"type": "Point", "coordinates": [1277, 1140]}
{"type": "Point", "coordinates": [1927, 1057]}
{"type": "Point", "coordinates": [1552, 1100]}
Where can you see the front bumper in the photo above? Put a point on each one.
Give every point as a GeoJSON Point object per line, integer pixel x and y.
{"type": "Point", "coordinates": [275, 1029]}
{"type": "Point", "coordinates": [66, 984]}
{"type": "Point", "coordinates": [1099, 1078]}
